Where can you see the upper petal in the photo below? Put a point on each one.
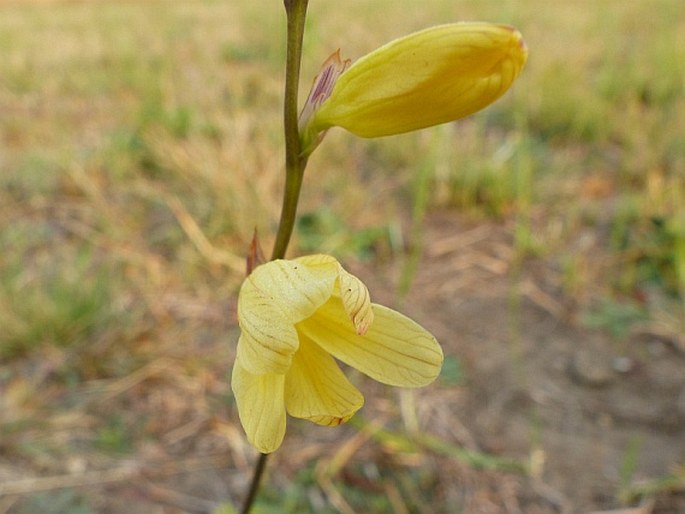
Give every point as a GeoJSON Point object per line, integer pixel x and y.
{"type": "Point", "coordinates": [316, 389]}
{"type": "Point", "coordinates": [297, 287]}
{"type": "Point", "coordinates": [272, 299]}
{"type": "Point", "coordinates": [395, 350]}
{"type": "Point", "coordinates": [261, 407]}
{"type": "Point", "coordinates": [433, 76]}
{"type": "Point", "coordinates": [319, 260]}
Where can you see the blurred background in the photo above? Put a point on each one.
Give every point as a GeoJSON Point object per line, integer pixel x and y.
{"type": "Point", "coordinates": [542, 241]}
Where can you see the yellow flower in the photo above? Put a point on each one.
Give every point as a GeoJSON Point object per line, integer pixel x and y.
{"type": "Point", "coordinates": [295, 316]}
{"type": "Point", "coordinates": [430, 77]}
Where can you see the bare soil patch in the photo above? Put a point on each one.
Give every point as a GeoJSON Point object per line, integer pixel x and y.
{"type": "Point", "coordinates": [592, 412]}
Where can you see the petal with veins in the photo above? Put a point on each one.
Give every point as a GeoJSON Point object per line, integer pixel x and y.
{"type": "Point", "coordinates": [395, 350]}
{"type": "Point", "coordinates": [316, 389]}
{"type": "Point", "coordinates": [260, 407]}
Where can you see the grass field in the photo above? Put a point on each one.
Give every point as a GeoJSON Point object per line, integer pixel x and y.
{"type": "Point", "coordinates": [140, 146]}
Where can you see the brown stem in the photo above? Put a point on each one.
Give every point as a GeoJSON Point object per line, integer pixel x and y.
{"type": "Point", "coordinates": [254, 484]}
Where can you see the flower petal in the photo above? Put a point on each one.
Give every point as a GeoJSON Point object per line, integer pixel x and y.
{"type": "Point", "coordinates": [261, 407]}
{"type": "Point", "coordinates": [433, 76]}
{"type": "Point", "coordinates": [355, 297]}
{"type": "Point", "coordinates": [354, 294]}
{"type": "Point", "coordinates": [316, 389]}
{"type": "Point", "coordinates": [272, 299]}
{"type": "Point", "coordinates": [296, 289]}
{"type": "Point", "coordinates": [395, 350]}
{"type": "Point", "coordinates": [319, 260]}
{"type": "Point", "coordinates": [267, 338]}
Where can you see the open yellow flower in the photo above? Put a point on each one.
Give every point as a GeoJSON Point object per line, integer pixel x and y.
{"type": "Point", "coordinates": [295, 316]}
{"type": "Point", "coordinates": [430, 77]}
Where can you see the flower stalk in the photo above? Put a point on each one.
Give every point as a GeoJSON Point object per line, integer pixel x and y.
{"type": "Point", "coordinates": [296, 12]}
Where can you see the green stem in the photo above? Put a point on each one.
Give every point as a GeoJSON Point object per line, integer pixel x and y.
{"type": "Point", "coordinates": [296, 12]}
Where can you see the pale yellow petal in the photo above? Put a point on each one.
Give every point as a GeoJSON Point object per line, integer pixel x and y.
{"type": "Point", "coordinates": [433, 76]}
{"type": "Point", "coordinates": [272, 299]}
{"type": "Point", "coordinates": [354, 294]}
{"type": "Point", "coordinates": [293, 286]}
{"type": "Point", "coordinates": [319, 260]}
{"type": "Point", "coordinates": [395, 350]}
{"type": "Point", "coordinates": [355, 297]}
{"type": "Point", "coordinates": [267, 339]}
{"type": "Point", "coordinates": [316, 389]}
{"type": "Point", "coordinates": [261, 407]}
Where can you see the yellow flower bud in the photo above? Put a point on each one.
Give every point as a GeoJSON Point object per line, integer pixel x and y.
{"type": "Point", "coordinates": [430, 77]}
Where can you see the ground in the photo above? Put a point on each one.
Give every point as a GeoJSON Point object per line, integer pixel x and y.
{"type": "Point", "coordinates": [587, 408]}
{"type": "Point", "coordinates": [541, 415]}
